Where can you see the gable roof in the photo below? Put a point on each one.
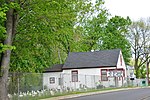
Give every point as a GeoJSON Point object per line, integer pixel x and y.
{"type": "Point", "coordinates": [103, 58]}
{"type": "Point", "coordinates": [54, 68]}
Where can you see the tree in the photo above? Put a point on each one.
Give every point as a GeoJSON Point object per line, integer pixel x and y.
{"type": "Point", "coordinates": [49, 33]}
{"type": "Point", "coordinates": [93, 30]}
{"type": "Point", "coordinates": [100, 33]}
{"type": "Point", "coordinates": [115, 36]}
{"type": "Point", "coordinates": [139, 40]}
{"type": "Point", "coordinates": [10, 25]}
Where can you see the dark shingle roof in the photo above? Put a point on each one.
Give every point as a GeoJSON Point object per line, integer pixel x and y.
{"type": "Point", "coordinates": [54, 68]}
{"type": "Point", "coordinates": [103, 58]}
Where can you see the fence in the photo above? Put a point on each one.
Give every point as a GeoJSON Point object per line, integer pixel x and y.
{"type": "Point", "coordinates": [24, 86]}
{"type": "Point", "coordinates": [73, 82]}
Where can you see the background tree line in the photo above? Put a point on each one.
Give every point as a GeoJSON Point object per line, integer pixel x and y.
{"type": "Point", "coordinates": [139, 38]}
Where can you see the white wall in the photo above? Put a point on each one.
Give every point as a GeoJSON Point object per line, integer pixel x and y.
{"type": "Point", "coordinates": [46, 81]}
{"type": "Point", "coordinates": [87, 71]}
{"type": "Point", "coordinates": [86, 77]}
{"type": "Point", "coordinates": [123, 63]}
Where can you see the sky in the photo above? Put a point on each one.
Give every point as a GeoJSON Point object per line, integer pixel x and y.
{"type": "Point", "coordinates": [135, 9]}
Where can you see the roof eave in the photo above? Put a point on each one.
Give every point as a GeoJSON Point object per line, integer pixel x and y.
{"type": "Point", "coordinates": [66, 68]}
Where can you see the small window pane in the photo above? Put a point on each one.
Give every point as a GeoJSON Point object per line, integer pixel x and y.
{"type": "Point", "coordinates": [52, 80]}
{"type": "Point", "coordinates": [104, 75]}
{"type": "Point", "coordinates": [74, 76]}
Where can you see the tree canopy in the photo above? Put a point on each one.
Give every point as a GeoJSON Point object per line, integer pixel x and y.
{"type": "Point", "coordinates": [102, 32]}
{"type": "Point", "coordinates": [46, 32]}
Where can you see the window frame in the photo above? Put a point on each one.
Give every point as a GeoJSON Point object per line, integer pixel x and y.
{"type": "Point", "coordinates": [104, 77]}
{"type": "Point", "coordinates": [52, 80]}
{"type": "Point", "coordinates": [74, 75]}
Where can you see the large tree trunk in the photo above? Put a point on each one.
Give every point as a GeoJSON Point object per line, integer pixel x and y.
{"type": "Point", "coordinates": [5, 61]}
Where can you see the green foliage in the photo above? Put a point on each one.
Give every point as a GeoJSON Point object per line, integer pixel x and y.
{"type": "Point", "coordinates": [46, 33]}
{"type": "Point", "coordinates": [142, 72]}
{"type": "Point", "coordinates": [36, 40]}
{"type": "Point", "coordinates": [3, 11]}
{"type": "Point", "coordinates": [93, 27]}
{"type": "Point", "coordinates": [6, 47]}
{"type": "Point", "coordinates": [104, 33]}
{"type": "Point", "coordinates": [5, 7]}
{"type": "Point", "coordinates": [2, 20]}
{"type": "Point", "coordinates": [14, 5]}
{"type": "Point", "coordinates": [115, 36]}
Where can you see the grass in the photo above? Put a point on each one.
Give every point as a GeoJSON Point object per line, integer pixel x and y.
{"type": "Point", "coordinates": [47, 94]}
{"type": "Point", "coordinates": [79, 92]}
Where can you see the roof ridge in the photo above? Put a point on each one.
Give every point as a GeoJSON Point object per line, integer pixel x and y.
{"type": "Point", "coordinates": [96, 51]}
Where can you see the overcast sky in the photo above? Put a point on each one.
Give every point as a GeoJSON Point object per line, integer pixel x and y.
{"type": "Point", "coordinates": [135, 9]}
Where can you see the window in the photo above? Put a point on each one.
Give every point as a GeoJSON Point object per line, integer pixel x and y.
{"type": "Point", "coordinates": [60, 82]}
{"type": "Point", "coordinates": [104, 75]}
{"type": "Point", "coordinates": [110, 73]}
{"type": "Point", "coordinates": [52, 80]}
{"type": "Point", "coordinates": [119, 73]}
{"type": "Point", "coordinates": [74, 76]}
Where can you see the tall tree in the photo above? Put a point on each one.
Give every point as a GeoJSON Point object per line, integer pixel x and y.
{"type": "Point", "coordinates": [49, 33]}
{"type": "Point", "coordinates": [10, 25]}
{"type": "Point", "coordinates": [139, 38]}
{"type": "Point", "coordinates": [115, 36]}
{"type": "Point", "coordinates": [100, 32]}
